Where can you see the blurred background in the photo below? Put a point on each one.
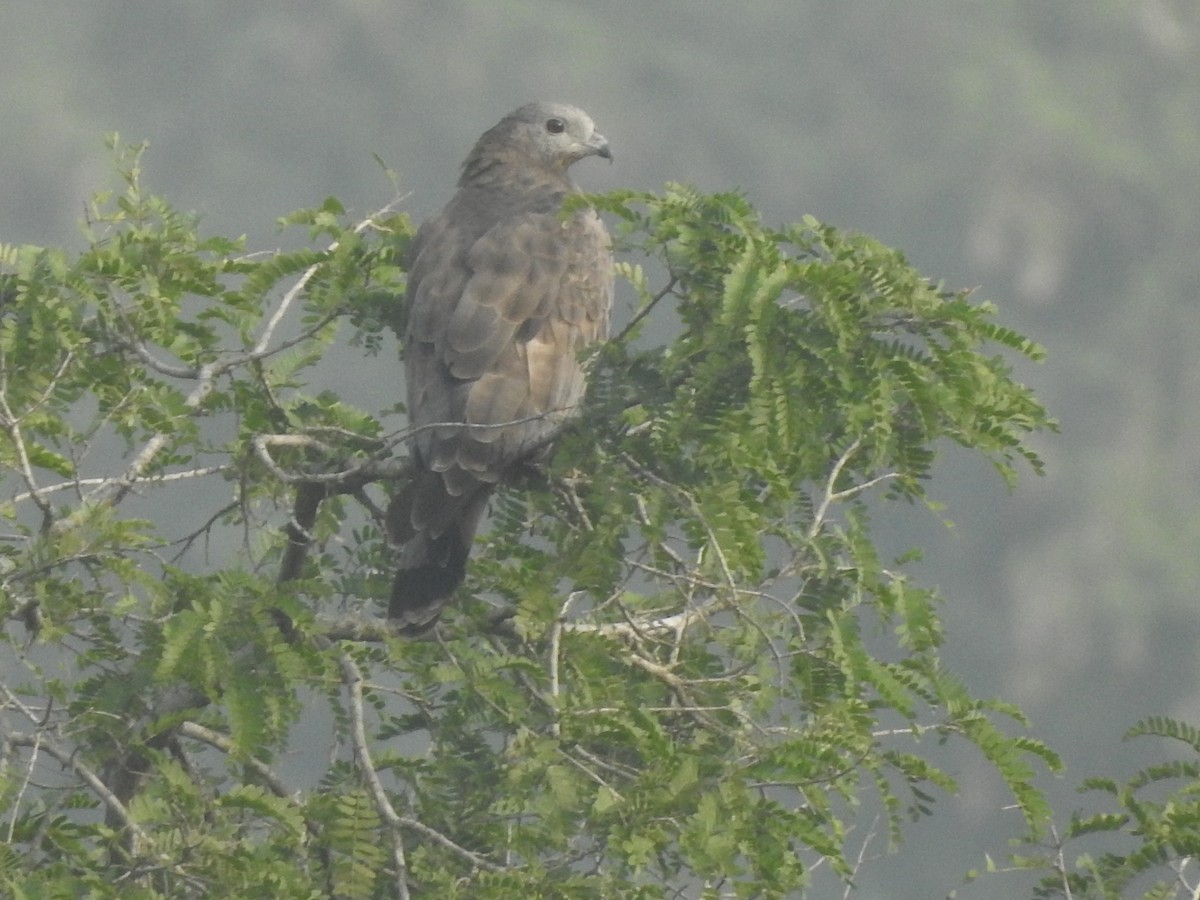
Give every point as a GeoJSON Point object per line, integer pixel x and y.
{"type": "Point", "coordinates": [1046, 152]}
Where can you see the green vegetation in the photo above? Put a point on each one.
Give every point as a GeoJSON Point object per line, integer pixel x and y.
{"type": "Point", "coordinates": [1046, 151]}
{"type": "Point", "coordinates": [685, 662]}
{"type": "Point", "coordinates": [680, 662]}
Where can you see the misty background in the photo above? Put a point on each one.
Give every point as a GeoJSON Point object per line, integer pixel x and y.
{"type": "Point", "coordinates": [1044, 151]}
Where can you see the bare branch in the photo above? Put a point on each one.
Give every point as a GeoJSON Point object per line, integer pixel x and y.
{"type": "Point", "coordinates": [285, 303]}
{"type": "Point", "coordinates": [1060, 863]}
{"type": "Point", "coordinates": [19, 800]}
{"type": "Point", "coordinates": [646, 310]}
{"type": "Point", "coordinates": [642, 627]}
{"type": "Point", "coordinates": [162, 368]}
{"type": "Point", "coordinates": [12, 425]}
{"type": "Point", "coordinates": [353, 680]}
{"type": "Point", "coordinates": [149, 480]}
{"type": "Point", "coordinates": [832, 496]}
{"type": "Point", "coordinates": [438, 838]}
{"type": "Point", "coordinates": [72, 761]}
{"type": "Point", "coordinates": [861, 858]}
{"type": "Point", "coordinates": [828, 499]}
{"type": "Point", "coordinates": [215, 739]}
{"type": "Point", "coordinates": [359, 629]}
{"type": "Point", "coordinates": [118, 488]}
{"type": "Point", "coordinates": [556, 631]}
{"type": "Point", "coordinates": [263, 441]}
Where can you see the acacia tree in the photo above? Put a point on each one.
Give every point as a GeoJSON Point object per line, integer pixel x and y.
{"type": "Point", "coordinates": [679, 663]}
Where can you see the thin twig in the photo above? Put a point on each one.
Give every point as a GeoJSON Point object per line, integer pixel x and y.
{"type": "Point", "coordinates": [353, 680]}
{"type": "Point", "coordinates": [72, 761]}
{"type": "Point", "coordinates": [556, 631]}
{"type": "Point", "coordinates": [264, 341]}
{"type": "Point", "coordinates": [823, 509]}
{"type": "Point", "coordinates": [438, 838]}
{"type": "Point", "coordinates": [679, 492]}
{"type": "Point", "coordinates": [645, 627]}
{"type": "Point", "coordinates": [646, 310]}
{"type": "Point", "coordinates": [198, 732]}
{"type": "Point", "coordinates": [861, 858]}
{"type": "Point", "coordinates": [148, 480]}
{"type": "Point", "coordinates": [832, 496]}
{"type": "Point", "coordinates": [13, 426]}
{"type": "Point", "coordinates": [162, 368]}
{"type": "Point", "coordinates": [19, 800]}
{"type": "Point", "coordinates": [120, 487]}
{"type": "Point", "coordinates": [1060, 863]}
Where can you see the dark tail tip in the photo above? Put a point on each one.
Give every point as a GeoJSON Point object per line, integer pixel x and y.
{"type": "Point", "coordinates": [419, 595]}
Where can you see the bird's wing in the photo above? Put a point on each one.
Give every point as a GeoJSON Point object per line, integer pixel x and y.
{"type": "Point", "coordinates": [495, 330]}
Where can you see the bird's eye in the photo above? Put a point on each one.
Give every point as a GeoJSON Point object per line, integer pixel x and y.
{"type": "Point", "coordinates": [556, 126]}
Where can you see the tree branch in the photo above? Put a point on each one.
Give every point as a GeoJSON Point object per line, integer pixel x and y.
{"type": "Point", "coordinates": [646, 310]}
{"type": "Point", "coordinates": [12, 425]}
{"type": "Point", "coordinates": [353, 681]}
{"type": "Point", "coordinates": [151, 479]}
{"type": "Point", "coordinates": [198, 732]}
{"type": "Point", "coordinates": [264, 341]}
{"type": "Point", "coordinates": [832, 496]}
{"type": "Point", "coordinates": [71, 760]}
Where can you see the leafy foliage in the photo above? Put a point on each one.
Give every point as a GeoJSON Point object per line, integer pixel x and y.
{"type": "Point", "coordinates": [680, 662]}
{"type": "Point", "coordinates": [1153, 834]}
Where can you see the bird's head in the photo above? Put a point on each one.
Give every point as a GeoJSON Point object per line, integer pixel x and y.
{"type": "Point", "coordinates": [549, 135]}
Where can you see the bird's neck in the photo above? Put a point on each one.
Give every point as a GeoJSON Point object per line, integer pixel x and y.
{"type": "Point", "coordinates": [493, 170]}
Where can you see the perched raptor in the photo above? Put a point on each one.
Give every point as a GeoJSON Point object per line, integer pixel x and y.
{"type": "Point", "coordinates": [504, 290]}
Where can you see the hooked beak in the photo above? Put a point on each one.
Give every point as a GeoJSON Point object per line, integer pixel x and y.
{"type": "Point", "coordinates": [597, 145]}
